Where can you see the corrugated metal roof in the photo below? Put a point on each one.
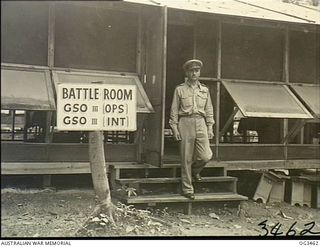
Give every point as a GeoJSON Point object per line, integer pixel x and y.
{"type": "Point", "coordinates": [262, 9]}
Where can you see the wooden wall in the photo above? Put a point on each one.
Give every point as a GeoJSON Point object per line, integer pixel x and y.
{"type": "Point", "coordinates": [254, 53]}
{"type": "Point", "coordinates": [304, 57]}
{"type": "Point", "coordinates": [62, 152]}
{"type": "Point", "coordinates": [95, 38]}
{"type": "Point", "coordinates": [24, 32]}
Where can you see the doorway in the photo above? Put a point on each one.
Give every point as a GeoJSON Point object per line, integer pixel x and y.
{"type": "Point", "coordinates": [179, 50]}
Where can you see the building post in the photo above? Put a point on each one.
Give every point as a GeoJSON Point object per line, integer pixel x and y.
{"type": "Point", "coordinates": [218, 91]}
{"type": "Point", "coordinates": [285, 77]}
{"type": "Point", "coordinates": [48, 131]}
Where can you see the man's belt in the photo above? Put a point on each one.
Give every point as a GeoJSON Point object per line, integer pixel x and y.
{"type": "Point", "coordinates": [195, 115]}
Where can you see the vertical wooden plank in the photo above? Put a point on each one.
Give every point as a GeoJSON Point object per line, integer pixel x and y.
{"type": "Point", "coordinates": [164, 76]}
{"type": "Point", "coordinates": [301, 136]}
{"type": "Point", "coordinates": [25, 129]}
{"type": "Point", "coordinates": [285, 78]}
{"type": "Point", "coordinates": [139, 137]}
{"type": "Point", "coordinates": [46, 181]}
{"type": "Point", "coordinates": [49, 115]}
{"type": "Point", "coordinates": [318, 58]}
{"type": "Point", "coordinates": [188, 209]}
{"type": "Point", "coordinates": [13, 123]}
{"type": "Point", "coordinates": [51, 27]}
{"type": "Point", "coordinates": [195, 33]}
{"type": "Point", "coordinates": [155, 69]}
{"type": "Point", "coordinates": [219, 47]}
{"type": "Point", "coordinates": [217, 103]}
{"type": "Point", "coordinates": [139, 46]}
{"type": "Point", "coordinates": [285, 75]}
{"type": "Point", "coordinates": [48, 133]}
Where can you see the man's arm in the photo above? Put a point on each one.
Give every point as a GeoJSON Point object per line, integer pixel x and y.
{"type": "Point", "coordinates": [209, 116]}
{"type": "Point", "coordinates": [174, 116]}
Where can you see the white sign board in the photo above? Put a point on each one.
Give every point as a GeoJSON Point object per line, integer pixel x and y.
{"type": "Point", "coordinates": [89, 107]}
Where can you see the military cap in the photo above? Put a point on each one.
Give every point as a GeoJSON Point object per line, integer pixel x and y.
{"type": "Point", "coordinates": [191, 64]}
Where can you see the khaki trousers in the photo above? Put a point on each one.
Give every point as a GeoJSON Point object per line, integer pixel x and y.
{"type": "Point", "coordinates": [195, 149]}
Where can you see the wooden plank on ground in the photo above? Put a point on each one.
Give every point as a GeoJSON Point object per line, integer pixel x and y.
{"type": "Point", "coordinates": [203, 197]}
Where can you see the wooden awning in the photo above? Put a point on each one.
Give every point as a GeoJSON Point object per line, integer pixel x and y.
{"type": "Point", "coordinates": [143, 103]}
{"type": "Point", "coordinates": [310, 95]}
{"type": "Point", "coordinates": [26, 88]}
{"type": "Point", "coordinates": [266, 100]}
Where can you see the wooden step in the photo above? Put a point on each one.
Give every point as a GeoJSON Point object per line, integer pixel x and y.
{"type": "Point", "coordinates": [203, 197]}
{"type": "Point", "coordinates": [135, 165]}
{"type": "Point", "coordinates": [210, 164]}
{"type": "Point", "coordinates": [172, 180]}
{"type": "Point", "coordinates": [131, 165]}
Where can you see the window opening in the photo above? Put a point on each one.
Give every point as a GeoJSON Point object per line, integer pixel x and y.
{"type": "Point", "coordinates": [20, 125]}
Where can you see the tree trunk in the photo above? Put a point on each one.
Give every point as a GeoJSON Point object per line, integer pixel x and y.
{"type": "Point", "coordinates": [99, 171]}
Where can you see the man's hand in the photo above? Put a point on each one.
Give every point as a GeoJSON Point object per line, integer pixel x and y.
{"type": "Point", "coordinates": [176, 135]}
{"type": "Point", "coordinates": [210, 132]}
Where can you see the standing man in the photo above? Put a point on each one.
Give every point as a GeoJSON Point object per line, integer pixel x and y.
{"type": "Point", "coordinates": [191, 120]}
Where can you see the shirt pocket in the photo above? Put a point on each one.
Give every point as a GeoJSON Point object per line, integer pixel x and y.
{"type": "Point", "coordinates": [202, 99]}
{"type": "Point", "coordinates": [186, 99]}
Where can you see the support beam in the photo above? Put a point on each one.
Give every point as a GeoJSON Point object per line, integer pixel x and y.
{"type": "Point", "coordinates": [139, 47]}
{"type": "Point", "coordinates": [284, 133]}
{"type": "Point", "coordinates": [301, 136]}
{"type": "Point", "coordinates": [51, 34]}
{"type": "Point", "coordinates": [188, 209]}
{"type": "Point", "coordinates": [299, 124]}
{"type": "Point", "coordinates": [49, 115]}
{"type": "Point", "coordinates": [13, 124]}
{"type": "Point", "coordinates": [164, 76]}
{"type": "Point", "coordinates": [25, 128]}
{"type": "Point", "coordinates": [195, 34]}
{"type": "Point", "coordinates": [208, 79]}
{"type": "Point", "coordinates": [229, 121]}
{"type": "Point", "coordinates": [47, 181]}
{"type": "Point", "coordinates": [48, 133]}
{"type": "Point", "coordinates": [218, 92]}
{"type": "Point", "coordinates": [285, 77]}
{"type": "Point", "coordinates": [138, 139]}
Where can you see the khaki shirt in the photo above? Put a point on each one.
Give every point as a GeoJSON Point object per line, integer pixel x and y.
{"type": "Point", "coordinates": [187, 101]}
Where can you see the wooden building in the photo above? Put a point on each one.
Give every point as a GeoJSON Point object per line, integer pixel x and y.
{"type": "Point", "coordinates": [261, 64]}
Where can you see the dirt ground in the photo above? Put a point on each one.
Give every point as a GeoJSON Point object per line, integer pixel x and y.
{"type": "Point", "coordinates": [50, 213]}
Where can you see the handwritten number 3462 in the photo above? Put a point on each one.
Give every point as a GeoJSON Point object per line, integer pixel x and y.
{"type": "Point", "coordinates": [275, 230]}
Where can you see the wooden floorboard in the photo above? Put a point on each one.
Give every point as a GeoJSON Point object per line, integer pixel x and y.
{"type": "Point", "coordinates": [10, 168]}
{"type": "Point", "coordinates": [15, 168]}
{"type": "Point", "coordinates": [203, 197]}
{"type": "Point", "coordinates": [173, 180]}
{"type": "Point", "coordinates": [259, 164]}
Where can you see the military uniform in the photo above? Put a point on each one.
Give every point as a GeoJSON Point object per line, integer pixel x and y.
{"type": "Point", "coordinates": [192, 114]}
